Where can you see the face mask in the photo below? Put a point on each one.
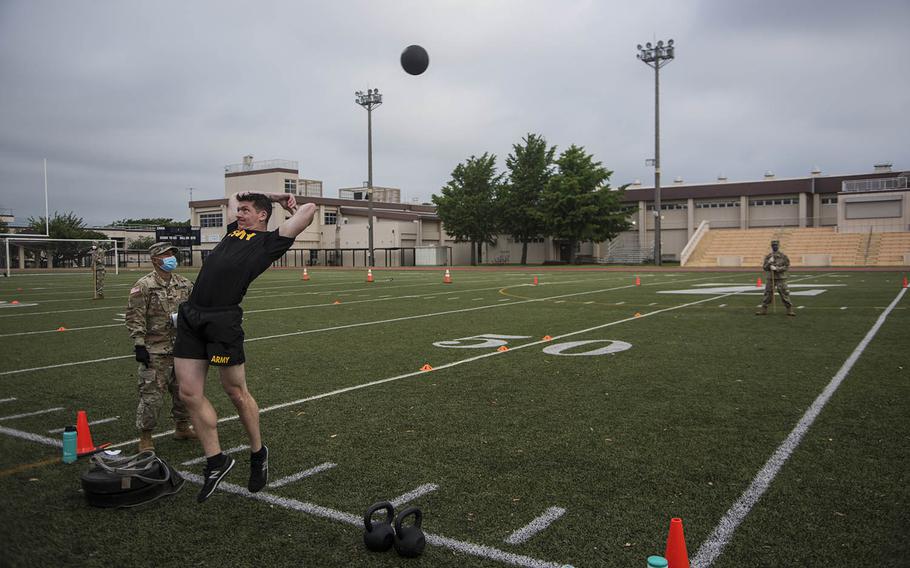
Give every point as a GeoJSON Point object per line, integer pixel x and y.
{"type": "Point", "coordinates": [168, 263]}
{"type": "Point", "coordinates": [774, 248]}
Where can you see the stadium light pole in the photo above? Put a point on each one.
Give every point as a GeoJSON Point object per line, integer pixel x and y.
{"type": "Point", "coordinates": [369, 100]}
{"type": "Point", "coordinates": [656, 57]}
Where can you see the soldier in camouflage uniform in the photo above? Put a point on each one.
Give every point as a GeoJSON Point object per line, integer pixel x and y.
{"type": "Point", "coordinates": [150, 320]}
{"type": "Point", "coordinates": [776, 265]}
{"type": "Point", "coordinates": [98, 271]}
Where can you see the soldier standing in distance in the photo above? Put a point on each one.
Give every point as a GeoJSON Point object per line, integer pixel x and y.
{"type": "Point", "coordinates": [150, 315]}
{"type": "Point", "coordinates": [776, 265]}
{"type": "Point", "coordinates": [98, 271]}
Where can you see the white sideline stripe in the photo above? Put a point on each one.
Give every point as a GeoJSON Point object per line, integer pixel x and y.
{"type": "Point", "coordinates": [92, 423]}
{"type": "Point", "coordinates": [194, 461]}
{"type": "Point", "coordinates": [7, 399]}
{"type": "Point", "coordinates": [722, 306]}
{"type": "Point", "coordinates": [415, 494]}
{"type": "Point", "coordinates": [537, 525]}
{"type": "Point", "coordinates": [303, 474]}
{"type": "Point", "coordinates": [55, 331]}
{"type": "Point", "coordinates": [711, 549]}
{"type": "Point", "coordinates": [357, 521]}
{"type": "Point", "coordinates": [347, 326]}
{"type": "Point", "coordinates": [36, 413]}
{"type": "Point", "coordinates": [30, 437]}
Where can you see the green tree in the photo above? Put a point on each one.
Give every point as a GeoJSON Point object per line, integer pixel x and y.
{"type": "Point", "coordinates": [151, 222]}
{"type": "Point", "coordinates": [467, 206]}
{"type": "Point", "coordinates": [530, 169]}
{"type": "Point", "coordinates": [66, 226]}
{"type": "Point", "coordinates": [140, 243]}
{"type": "Point", "coordinates": [578, 202]}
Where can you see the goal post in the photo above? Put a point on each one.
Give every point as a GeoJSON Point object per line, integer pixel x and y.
{"type": "Point", "coordinates": [40, 254]}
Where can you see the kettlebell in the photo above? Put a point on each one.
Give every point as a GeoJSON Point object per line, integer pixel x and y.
{"type": "Point", "coordinates": [409, 541]}
{"type": "Point", "coordinates": [379, 536]}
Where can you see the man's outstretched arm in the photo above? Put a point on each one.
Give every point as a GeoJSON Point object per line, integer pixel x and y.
{"type": "Point", "coordinates": [300, 220]}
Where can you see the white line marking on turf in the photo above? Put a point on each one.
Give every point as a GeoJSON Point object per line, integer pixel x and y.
{"type": "Point", "coordinates": [92, 423]}
{"type": "Point", "coordinates": [233, 450]}
{"type": "Point", "coordinates": [537, 525]}
{"type": "Point", "coordinates": [652, 304]}
{"type": "Point", "coordinates": [357, 521]}
{"type": "Point", "coordinates": [722, 306]}
{"type": "Point", "coordinates": [347, 326]}
{"type": "Point", "coordinates": [55, 331]}
{"type": "Point", "coordinates": [843, 307]}
{"type": "Point", "coordinates": [586, 303]}
{"type": "Point", "coordinates": [31, 437]}
{"type": "Point", "coordinates": [36, 413]}
{"type": "Point", "coordinates": [7, 399]}
{"type": "Point", "coordinates": [711, 549]}
{"type": "Point", "coordinates": [800, 307]}
{"type": "Point", "coordinates": [415, 494]}
{"type": "Point", "coordinates": [303, 474]}
{"type": "Point", "coordinates": [619, 303]}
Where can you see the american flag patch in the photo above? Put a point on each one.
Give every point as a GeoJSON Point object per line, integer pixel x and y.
{"type": "Point", "coordinates": [135, 290]}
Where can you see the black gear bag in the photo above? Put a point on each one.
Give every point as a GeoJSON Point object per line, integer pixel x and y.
{"type": "Point", "coordinates": [129, 481]}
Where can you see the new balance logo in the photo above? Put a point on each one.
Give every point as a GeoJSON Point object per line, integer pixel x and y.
{"type": "Point", "coordinates": [215, 474]}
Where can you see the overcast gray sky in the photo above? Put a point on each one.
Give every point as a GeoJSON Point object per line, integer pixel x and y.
{"type": "Point", "coordinates": [133, 102]}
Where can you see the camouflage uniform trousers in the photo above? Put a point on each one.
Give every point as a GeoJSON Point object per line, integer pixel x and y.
{"type": "Point", "coordinates": [99, 283]}
{"type": "Point", "coordinates": [153, 382]}
{"type": "Point", "coordinates": [782, 289]}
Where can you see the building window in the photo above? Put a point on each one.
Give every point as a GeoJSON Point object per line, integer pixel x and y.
{"type": "Point", "coordinates": [290, 186]}
{"type": "Point", "coordinates": [331, 218]}
{"type": "Point", "coordinates": [210, 220]}
{"type": "Point", "coordinates": [829, 200]}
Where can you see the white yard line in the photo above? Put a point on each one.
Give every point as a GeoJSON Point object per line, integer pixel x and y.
{"type": "Point", "coordinates": [413, 495]}
{"type": "Point", "coordinates": [302, 475]}
{"type": "Point", "coordinates": [92, 423]}
{"type": "Point", "coordinates": [30, 437]}
{"type": "Point", "coordinates": [56, 331]}
{"type": "Point", "coordinates": [233, 450]}
{"type": "Point", "coordinates": [712, 548]}
{"type": "Point", "coordinates": [311, 509]}
{"type": "Point", "coordinates": [537, 525]}
{"type": "Point", "coordinates": [27, 414]}
{"type": "Point", "coordinates": [7, 399]}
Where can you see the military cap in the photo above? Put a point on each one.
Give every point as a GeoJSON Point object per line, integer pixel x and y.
{"type": "Point", "coordinates": [161, 248]}
{"type": "Point", "coordinates": [775, 242]}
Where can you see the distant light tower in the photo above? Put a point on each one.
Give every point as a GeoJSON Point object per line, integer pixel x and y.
{"type": "Point", "coordinates": [656, 57]}
{"type": "Point", "coordinates": [369, 100]}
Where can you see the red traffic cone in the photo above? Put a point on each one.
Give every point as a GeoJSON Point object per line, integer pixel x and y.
{"type": "Point", "coordinates": [637, 280]}
{"type": "Point", "coordinates": [84, 444]}
{"type": "Point", "coordinates": [369, 274]}
{"type": "Point", "coordinates": [447, 279]}
{"type": "Point", "coordinates": [905, 280]}
{"type": "Point", "coordinates": [535, 281]}
{"type": "Point", "coordinates": [305, 275]}
{"type": "Point", "coordinates": [758, 283]}
{"type": "Point", "coordinates": [676, 553]}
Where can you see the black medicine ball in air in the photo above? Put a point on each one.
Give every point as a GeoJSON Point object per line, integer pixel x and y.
{"type": "Point", "coordinates": [414, 59]}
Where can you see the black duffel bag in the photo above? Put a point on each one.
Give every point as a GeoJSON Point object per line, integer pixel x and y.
{"type": "Point", "coordinates": [128, 481]}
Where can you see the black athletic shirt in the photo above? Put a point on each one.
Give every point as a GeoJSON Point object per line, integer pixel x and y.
{"type": "Point", "coordinates": [239, 258]}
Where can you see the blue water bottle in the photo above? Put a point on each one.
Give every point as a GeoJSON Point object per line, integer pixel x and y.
{"type": "Point", "coordinates": [69, 444]}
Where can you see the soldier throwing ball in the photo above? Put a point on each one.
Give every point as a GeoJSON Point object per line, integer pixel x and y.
{"type": "Point", "coordinates": [153, 303]}
{"type": "Point", "coordinates": [776, 265]}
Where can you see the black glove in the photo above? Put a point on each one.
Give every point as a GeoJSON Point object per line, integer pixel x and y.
{"type": "Point", "coordinates": [142, 355]}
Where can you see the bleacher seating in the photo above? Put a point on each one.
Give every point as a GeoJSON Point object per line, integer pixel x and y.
{"type": "Point", "coordinates": [844, 249]}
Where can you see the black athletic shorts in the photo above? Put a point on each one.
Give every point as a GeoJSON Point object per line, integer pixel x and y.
{"type": "Point", "coordinates": [213, 334]}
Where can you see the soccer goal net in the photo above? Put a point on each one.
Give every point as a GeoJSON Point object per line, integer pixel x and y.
{"type": "Point", "coordinates": [38, 254]}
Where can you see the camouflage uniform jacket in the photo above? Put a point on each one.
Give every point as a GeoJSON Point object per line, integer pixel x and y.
{"type": "Point", "coordinates": [148, 315]}
{"type": "Point", "coordinates": [780, 260]}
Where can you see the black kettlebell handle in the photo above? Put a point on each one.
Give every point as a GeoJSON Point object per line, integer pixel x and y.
{"type": "Point", "coordinates": [368, 516]}
{"type": "Point", "coordinates": [418, 518]}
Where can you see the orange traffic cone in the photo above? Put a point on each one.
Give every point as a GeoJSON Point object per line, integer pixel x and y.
{"type": "Point", "coordinates": [546, 338]}
{"type": "Point", "coordinates": [758, 283]}
{"type": "Point", "coordinates": [905, 280]}
{"type": "Point", "coordinates": [84, 444]}
{"type": "Point", "coordinates": [676, 553]}
{"type": "Point", "coordinates": [535, 281]}
{"type": "Point", "coordinates": [14, 302]}
{"type": "Point", "coordinates": [447, 279]}
{"type": "Point", "coordinates": [502, 348]}
{"type": "Point", "coordinates": [61, 328]}
{"type": "Point", "coordinates": [369, 274]}
{"type": "Point", "coordinates": [426, 367]}
{"type": "Point", "coordinates": [336, 302]}
{"type": "Point", "coordinates": [305, 276]}
{"type": "Point", "coordinates": [637, 280]}
{"type": "Point", "coordinates": [638, 314]}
